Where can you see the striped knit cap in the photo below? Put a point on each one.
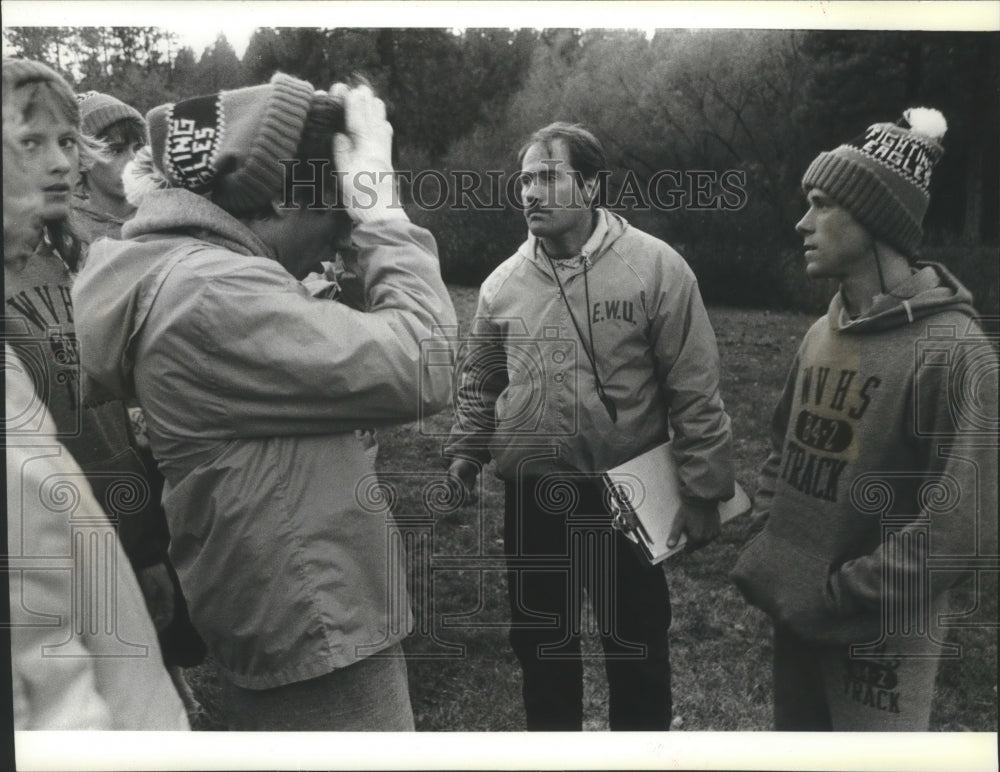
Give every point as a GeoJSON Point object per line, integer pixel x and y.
{"type": "Point", "coordinates": [883, 177]}
{"type": "Point", "coordinates": [230, 145]}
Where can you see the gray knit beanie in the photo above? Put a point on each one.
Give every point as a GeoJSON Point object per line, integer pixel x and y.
{"type": "Point", "coordinates": [229, 145]}
{"type": "Point", "coordinates": [99, 111]}
{"type": "Point", "coordinates": [883, 178]}
{"type": "Point", "coordinates": [18, 73]}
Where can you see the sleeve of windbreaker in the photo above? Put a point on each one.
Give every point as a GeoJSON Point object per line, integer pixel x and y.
{"type": "Point", "coordinates": [688, 363]}
{"type": "Point", "coordinates": [480, 378]}
{"type": "Point", "coordinates": [768, 477]}
{"type": "Point", "coordinates": [277, 360]}
{"type": "Point", "coordinates": [953, 408]}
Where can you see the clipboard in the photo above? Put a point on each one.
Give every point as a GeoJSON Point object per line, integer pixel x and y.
{"type": "Point", "coordinates": [644, 498]}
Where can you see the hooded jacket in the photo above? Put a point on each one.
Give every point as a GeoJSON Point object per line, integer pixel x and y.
{"type": "Point", "coordinates": [884, 461]}
{"type": "Point", "coordinates": [252, 390]}
{"type": "Point", "coordinates": [527, 395]}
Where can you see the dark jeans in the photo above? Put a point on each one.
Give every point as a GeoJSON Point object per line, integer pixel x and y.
{"type": "Point", "coordinates": [180, 643]}
{"type": "Point", "coordinates": [799, 698]}
{"type": "Point", "coordinates": [558, 540]}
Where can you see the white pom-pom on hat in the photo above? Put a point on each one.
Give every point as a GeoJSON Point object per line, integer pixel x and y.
{"type": "Point", "coordinates": [926, 121]}
{"type": "Point", "coordinates": [140, 176]}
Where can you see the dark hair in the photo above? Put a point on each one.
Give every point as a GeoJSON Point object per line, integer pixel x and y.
{"type": "Point", "coordinates": [64, 241]}
{"type": "Point", "coordinates": [324, 119]}
{"type": "Point", "coordinates": [586, 154]}
{"type": "Point", "coordinates": [127, 131]}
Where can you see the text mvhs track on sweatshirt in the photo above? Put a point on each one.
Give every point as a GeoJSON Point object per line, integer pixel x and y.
{"type": "Point", "coordinates": [815, 459]}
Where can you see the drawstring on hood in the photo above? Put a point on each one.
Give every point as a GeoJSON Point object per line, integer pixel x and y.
{"type": "Point", "coordinates": [931, 289]}
{"type": "Point", "coordinates": [609, 404]}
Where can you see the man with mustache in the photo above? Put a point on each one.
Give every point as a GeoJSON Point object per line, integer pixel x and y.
{"type": "Point", "coordinates": [590, 346]}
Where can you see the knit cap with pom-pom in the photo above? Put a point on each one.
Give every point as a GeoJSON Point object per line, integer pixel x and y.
{"type": "Point", "coordinates": [231, 145]}
{"type": "Point", "coordinates": [883, 177]}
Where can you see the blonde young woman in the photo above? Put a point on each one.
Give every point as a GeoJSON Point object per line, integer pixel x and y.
{"type": "Point", "coordinates": [65, 675]}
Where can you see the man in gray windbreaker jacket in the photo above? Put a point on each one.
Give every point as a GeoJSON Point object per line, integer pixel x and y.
{"type": "Point", "coordinates": [589, 347]}
{"type": "Point", "coordinates": [253, 389]}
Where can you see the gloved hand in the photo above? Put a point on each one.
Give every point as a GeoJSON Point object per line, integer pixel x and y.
{"type": "Point", "coordinates": [363, 157]}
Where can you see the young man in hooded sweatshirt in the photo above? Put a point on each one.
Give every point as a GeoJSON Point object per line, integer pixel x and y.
{"type": "Point", "coordinates": [253, 389]}
{"type": "Point", "coordinates": [590, 346]}
{"type": "Point", "coordinates": [881, 485]}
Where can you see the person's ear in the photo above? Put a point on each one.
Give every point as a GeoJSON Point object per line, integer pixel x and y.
{"type": "Point", "coordinates": [589, 190]}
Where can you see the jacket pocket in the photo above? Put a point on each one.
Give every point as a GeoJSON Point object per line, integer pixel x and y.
{"type": "Point", "coordinates": [788, 583]}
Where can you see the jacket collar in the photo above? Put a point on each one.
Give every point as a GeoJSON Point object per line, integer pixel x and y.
{"type": "Point", "coordinates": [177, 209]}
{"type": "Point", "coordinates": [607, 229]}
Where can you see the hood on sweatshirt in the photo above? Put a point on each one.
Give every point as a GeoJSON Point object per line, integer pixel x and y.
{"type": "Point", "coordinates": [607, 231]}
{"type": "Point", "coordinates": [931, 289]}
{"type": "Point", "coordinates": [115, 291]}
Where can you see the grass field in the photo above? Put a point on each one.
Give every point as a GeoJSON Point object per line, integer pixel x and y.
{"type": "Point", "coordinates": [463, 676]}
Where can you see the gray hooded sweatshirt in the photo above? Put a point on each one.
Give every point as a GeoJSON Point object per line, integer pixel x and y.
{"type": "Point", "coordinates": [881, 486]}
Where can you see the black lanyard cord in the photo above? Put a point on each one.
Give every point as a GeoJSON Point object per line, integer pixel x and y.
{"type": "Point", "coordinates": [608, 403]}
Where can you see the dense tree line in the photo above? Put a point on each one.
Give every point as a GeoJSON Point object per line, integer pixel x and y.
{"type": "Point", "coordinates": [708, 131]}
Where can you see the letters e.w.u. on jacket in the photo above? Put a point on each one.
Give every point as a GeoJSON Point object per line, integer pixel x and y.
{"type": "Point", "coordinates": [527, 395]}
{"type": "Point", "coordinates": [253, 391]}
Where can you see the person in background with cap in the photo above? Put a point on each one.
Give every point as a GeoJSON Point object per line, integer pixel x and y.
{"type": "Point", "coordinates": [118, 132]}
{"type": "Point", "coordinates": [99, 206]}
{"type": "Point", "coordinates": [253, 389]}
{"type": "Point", "coordinates": [884, 448]}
